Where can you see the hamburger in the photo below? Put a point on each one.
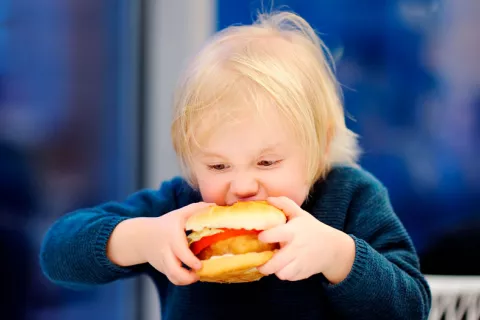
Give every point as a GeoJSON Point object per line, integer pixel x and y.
{"type": "Point", "coordinates": [225, 239]}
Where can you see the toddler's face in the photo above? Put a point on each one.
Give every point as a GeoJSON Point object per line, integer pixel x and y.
{"type": "Point", "coordinates": [251, 160]}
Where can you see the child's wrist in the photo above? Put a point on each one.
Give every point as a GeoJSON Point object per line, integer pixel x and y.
{"type": "Point", "coordinates": [343, 258]}
{"type": "Point", "coordinates": [141, 238]}
{"type": "Point", "coordinates": [125, 246]}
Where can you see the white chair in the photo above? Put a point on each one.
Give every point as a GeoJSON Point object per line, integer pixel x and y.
{"type": "Point", "coordinates": [455, 297]}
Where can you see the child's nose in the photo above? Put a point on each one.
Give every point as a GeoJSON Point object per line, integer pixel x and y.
{"type": "Point", "coordinates": [244, 186]}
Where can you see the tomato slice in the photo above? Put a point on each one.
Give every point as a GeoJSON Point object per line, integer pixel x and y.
{"type": "Point", "coordinates": [207, 241]}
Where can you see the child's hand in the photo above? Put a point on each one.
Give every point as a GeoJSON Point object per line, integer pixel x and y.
{"type": "Point", "coordinates": [165, 245]}
{"type": "Point", "coordinates": [308, 246]}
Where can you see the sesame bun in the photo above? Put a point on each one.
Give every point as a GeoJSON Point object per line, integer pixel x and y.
{"type": "Point", "coordinates": [258, 215]}
{"type": "Point", "coordinates": [230, 267]}
{"type": "Point", "coordinates": [235, 268]}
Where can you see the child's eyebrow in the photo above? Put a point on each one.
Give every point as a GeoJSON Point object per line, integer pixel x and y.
{"type": "Point", "coordinates": [270, 148]}
{"type": "Point", "coordinates": [209, 154]}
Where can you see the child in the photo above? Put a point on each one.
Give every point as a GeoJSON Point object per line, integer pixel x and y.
{"type": "Point", "coordinates": [258, 116]}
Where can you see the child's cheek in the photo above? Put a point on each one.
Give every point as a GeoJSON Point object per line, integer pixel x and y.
{"type": "Point", "coordinates": [298, 193]}
{"type": "Point", "coordinates": [212, 190]}
{"type": "Point", "coordinates": [287, 182]}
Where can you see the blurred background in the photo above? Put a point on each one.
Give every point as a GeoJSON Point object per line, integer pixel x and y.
{"type": "Point", "coordinates": [85, 98]}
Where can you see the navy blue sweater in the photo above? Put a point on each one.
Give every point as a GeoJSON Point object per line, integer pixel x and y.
{"type": "Point", "coordinates": [384, 283]}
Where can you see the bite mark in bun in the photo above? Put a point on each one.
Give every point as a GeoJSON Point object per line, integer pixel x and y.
{"type": "Point", "coordinates": [225, 239]}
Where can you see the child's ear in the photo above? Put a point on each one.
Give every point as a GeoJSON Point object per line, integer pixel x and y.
{"type": "Point", "coordinates": [328, 140]}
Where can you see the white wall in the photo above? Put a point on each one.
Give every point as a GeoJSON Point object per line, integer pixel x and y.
{"type": "Point", "coordinates": [176, 30]}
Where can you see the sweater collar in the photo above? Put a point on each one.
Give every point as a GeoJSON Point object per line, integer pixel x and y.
{"type": "Point", "coordinates": [327, 202]}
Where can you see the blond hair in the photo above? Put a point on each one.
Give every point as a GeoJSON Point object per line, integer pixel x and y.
{"type": "Point", "coordinates": [279, 61]}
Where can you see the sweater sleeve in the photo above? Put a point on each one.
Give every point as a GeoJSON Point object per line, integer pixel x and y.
{"type": "Point", "coordinates": [385, 281]}
{"type": "Point", "coordinates": [73, 251]}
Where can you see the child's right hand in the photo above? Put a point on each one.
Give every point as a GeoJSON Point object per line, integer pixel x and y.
{"type": "Point", "coordinates": [165, 245]}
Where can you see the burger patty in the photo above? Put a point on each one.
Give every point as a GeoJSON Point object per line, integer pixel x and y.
{"type": "Point", "coordinates": [236, 245]}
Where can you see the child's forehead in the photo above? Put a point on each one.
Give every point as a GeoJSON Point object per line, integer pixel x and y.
{"type": "Point", "coordinates": [237, 119]}
{"type": "Point", "coordinates": [246, 125]}
{"type": "Point", "coordinates": [241, 104]}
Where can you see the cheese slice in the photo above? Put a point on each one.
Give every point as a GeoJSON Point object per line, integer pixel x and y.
{"type": "Point", "coordinates": [197, 235]}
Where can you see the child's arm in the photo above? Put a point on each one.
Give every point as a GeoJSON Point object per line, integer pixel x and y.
{"type": "Point", "coordinates": [385, 281]}
{"type": "Point", "coordinates": [74, 250]}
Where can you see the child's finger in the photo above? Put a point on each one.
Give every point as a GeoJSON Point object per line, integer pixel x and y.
{"type": "Point", "coordinates": [280, 234]}
{"type": "Point", "coordinates": [289, 272]}
{"type": "Point", "coordinates": [278, 261]}
{"type": "Point", "coordinates": [184, 254]}
{"type": "Point", "coordinates": [194, 208]}
{"type": "Point", "coordinates": [176, 274]}
{"type": "Point", "coordinates": [287, 205]}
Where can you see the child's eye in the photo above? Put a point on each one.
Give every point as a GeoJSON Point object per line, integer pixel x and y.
{"type": "Point", "coordinates": [267, 163]}
{"type": "Point", "coordinates": [218, 167]}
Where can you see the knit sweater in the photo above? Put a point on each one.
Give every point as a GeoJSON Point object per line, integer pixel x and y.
{"type": "Point", "coordinates": [385, 281]}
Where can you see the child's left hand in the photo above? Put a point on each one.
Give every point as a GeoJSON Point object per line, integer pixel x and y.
{"type": "Point", "coordinates": [308, 246]}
